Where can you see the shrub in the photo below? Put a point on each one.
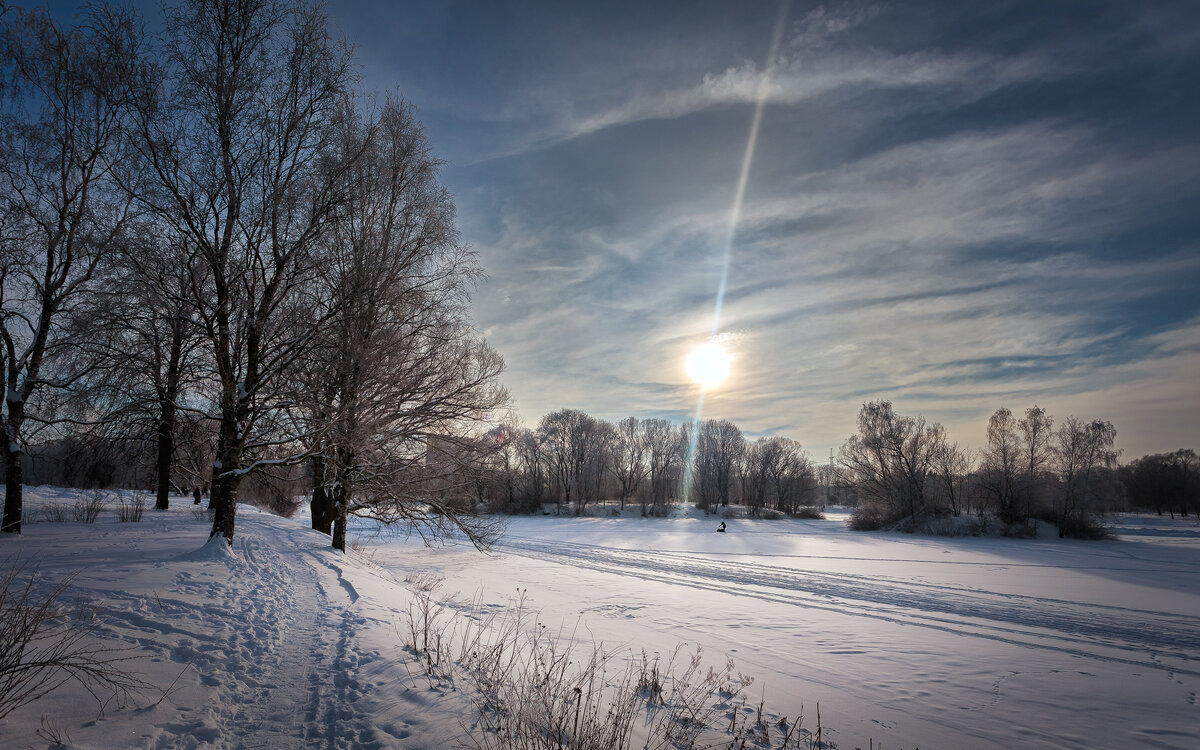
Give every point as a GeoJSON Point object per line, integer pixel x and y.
{"type": "Point", "coordinates": [54, 513]}
{"type": "Point", "coordinates": [810, 512]}
{"type": "Point", "coordinates": [866, 517]}
{"type": "Point", "coordinates": [43, 648]}
{"type": "Point", "coordinates": [1026, 529]}
{"type": "Point", "coordinates": [129, 510]}
{"type": "Point", "coordinates": [1085, 526]}
{"type": "Point", "coordinates": [88, 506]}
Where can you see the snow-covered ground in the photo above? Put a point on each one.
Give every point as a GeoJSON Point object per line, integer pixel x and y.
{"type": "Point", "coordinates": [905, 641]}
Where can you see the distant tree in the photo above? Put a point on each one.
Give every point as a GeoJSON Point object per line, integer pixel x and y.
{"type": "Point", "coordinates": [952, 465]}
{"type": "Point", "coordinates": [1084, 457]}
{"type": "Point", "coordinates": [720, 449]}
{"type": "Point", "coordinates": [60, 214]}
{"type": "Point", "coordinates": [778, 474]}
{"type": "Point", "coordinates": [534, 468]}
{"type": "Point", "coordinates": [630, 465]}
{"type": "Point", "coordinates": [1037, 438]}
{"type": "Point", "coordinates": [890, 459]}
{"type": "Point", "coordinates": [598, 466]}
{"type": "Point", "coordinates": [1002, 469]}
{"type": "Point", "coordinates": [1170, 480]}
{"type": "Point", "coordinates": [755, 476]}
{"type": "Point", "coordinates": [664, 458]}
{"type": "Point", "coordinates": [567, 440]}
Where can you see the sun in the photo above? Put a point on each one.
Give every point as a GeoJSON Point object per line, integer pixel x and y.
{"type": "Point", "coordinates": [708, 364]}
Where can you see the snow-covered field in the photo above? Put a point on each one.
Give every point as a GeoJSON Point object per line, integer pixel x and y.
{"type": "Point", "coordinates": [905, 641]}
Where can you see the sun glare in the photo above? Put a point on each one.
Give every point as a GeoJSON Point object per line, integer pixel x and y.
{"type": "Point", "coordinates": [708, 364]}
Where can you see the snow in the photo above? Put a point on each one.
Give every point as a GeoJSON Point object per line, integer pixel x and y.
{"type": "Point", "coordinates": [905, 641]}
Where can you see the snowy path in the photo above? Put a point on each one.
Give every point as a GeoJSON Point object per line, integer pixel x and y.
{"type": "Point", "coordinates": [267, 645]}
{"type": "Point", "coordinates": [1170, 640]}
{"type": "Point", "coordinates": [270, 635]}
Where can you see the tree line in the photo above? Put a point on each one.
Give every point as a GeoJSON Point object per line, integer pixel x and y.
{"type": "Point", "coordinates": [571, 459]}
{"type": "Point", "coordinates": [903, 468]}
{"type": "Point", "coordinates": [895, 469]}
{"type": "Point", "coordinates": [217, 250]}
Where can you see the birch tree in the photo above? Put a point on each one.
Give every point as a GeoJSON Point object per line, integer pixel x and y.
{"type": "Point", "coordinates": [60, 215]}
{"type": "Point", "coordinates": [403, 384]}
{"type": "Point", "coordinates": [237, 133]}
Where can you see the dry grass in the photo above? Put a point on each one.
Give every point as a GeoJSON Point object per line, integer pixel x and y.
{"type": "Point", "coordinates": [130, 509]}
{"type": "Point", "coordinates": [42, 646]}
{"type": "Point", "coordinates": [536, 688]}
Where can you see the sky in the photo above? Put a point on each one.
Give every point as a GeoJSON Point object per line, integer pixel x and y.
{"type": "Point", "coordinates": [952, 206]}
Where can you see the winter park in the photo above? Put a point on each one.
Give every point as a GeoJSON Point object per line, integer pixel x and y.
{"type": "Point", "coordinates": [770, 375]}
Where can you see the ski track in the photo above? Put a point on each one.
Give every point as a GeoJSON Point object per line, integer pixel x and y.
{"type": "Point", "coordinates": [283, 670]}
{"type": "Point", "coordinates": [1103, 632]}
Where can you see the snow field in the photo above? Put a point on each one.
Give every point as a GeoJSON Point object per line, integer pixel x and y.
{"type": "Point", "coordinates": [904, 641]}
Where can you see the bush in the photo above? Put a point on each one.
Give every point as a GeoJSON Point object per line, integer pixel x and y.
{"type": "Point", "coordinates": [1026, 529]}
{"type": "Point", "coordinates": [536, 690]}
{"type": "Point", "coordinates": [809, 512]}
{"type": "Point", "coordinates": [43, 648]}
{"type": "Point", "coordinates": [866, 518]}
{"type": "Point", "coordinates": [88, 506]}
{"type": "Point", "coordinates": [659, 510]}
{"type": "Point", "coordinates": [1085, 526]}
{"type": "Point", "coordinates": [54, 513]}
{"type": "Point", "coordinates": [129, 510]}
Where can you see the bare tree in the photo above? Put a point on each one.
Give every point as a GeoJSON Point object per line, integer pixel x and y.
{"type": "Point", "coordinates": [535, 467]}
{"type": "Point", "coordinates": [629, 462]}
{"type": "Point", "coordinates": [566, 438]}
{"type": "Point", "coordinates": [1037, 437]}
{"type": "Point", "coordinates": [1085, 456]}
{"type": "Point", "coordinates": [720, 450]}
{"type": "Point", "coordinates": [1002, 466]}
{"type": "Point", "coordinates": [1165, 479]}
{"type": "Point", "coordinates": [778, 474]}
{"type": "Point", "coordinates": [402, 382]}
{"type": "Point", "coordinates": [59, 213]}
{"type": "Point", "coordinates": [891, 457]}
{"type": "Point", "coordinates": [238, 136]}
{"type": "Point", "coordinates": [952, 465]}
{"type": "Point", "coordinates": [141, 338]}
{"type": "Point", "coordinates": [664, 457]}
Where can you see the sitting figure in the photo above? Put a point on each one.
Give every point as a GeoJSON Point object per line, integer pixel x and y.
{"type": "Point", "coordinates": [721, 528]}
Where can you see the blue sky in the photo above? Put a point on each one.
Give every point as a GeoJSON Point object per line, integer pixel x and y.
{"type": "Point", "coordinates": [954, 206]}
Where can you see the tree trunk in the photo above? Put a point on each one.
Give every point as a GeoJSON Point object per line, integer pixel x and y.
{"type": "Point", "coordinates": [224, 505]}
{"type": "Point", "coordinates": [12, 490]}
{"type": "Point", "coordinates": [226, 480]}
{"type": "Point", "coordinates": [167, 409]}
{"type": "Point", "coordinates": [13, 476]}
{"type": "Point", "coordinates": [340, 504]}
{"type": "Point", "coordinates": [166, 452]}
{"type": "Point", "coordinates": [321, 504]}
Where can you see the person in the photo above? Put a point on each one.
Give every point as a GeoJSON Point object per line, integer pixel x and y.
{"type": "Point", "coordinates": [196, 495]}
{"type": "Point", "coordinates": [721, 528]}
